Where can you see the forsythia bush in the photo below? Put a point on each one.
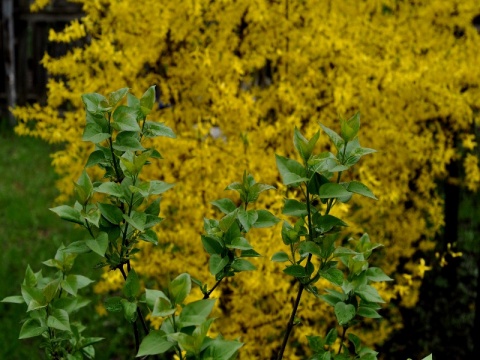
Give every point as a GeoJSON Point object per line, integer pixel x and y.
{"type": "Point", "coordinates": [233, 78]}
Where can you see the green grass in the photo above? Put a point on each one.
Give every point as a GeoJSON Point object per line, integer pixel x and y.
{"type": "Point", "coordinates": [29, 232]}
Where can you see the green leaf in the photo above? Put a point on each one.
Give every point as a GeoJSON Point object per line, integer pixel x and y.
{"type": "Point", "coordinates": [336, 139]}
{"type": "Point", "coordinates": [152, 295]}
{"type": "Point", "coordinates": [153, 208]}
{"type": "Point", "coordinates": [344, 312]}
{"type": "Point", "coordinates": [220, 349]}
{"type": "Point", "coordinates": [96, 157]}
{"type": "Point", "coordinates": [149, 236]}
{"type": "Point", "coordinates": [83, 188]}
{"type": "Point", "coordinates": [111, 188]}
{"type": "Point", "coordinates": [240, 243]}
{"type": "Point", "coordinates": [350, 127]}
{"type": "Point", "coordinates": [331, 337]}
{"type": "Point", "coordinates": [50, 290]}
{"type": "Point", "coordinates": [280, 256]}
{"type": "Point", "coordinates": [94, 133]}
{"type": "Point", "coordinates": [58, 319]}
{"type": "Point", "coordinates": [31, 328]}
{"type": "Point", "coordinates": [68, 213]}
{"type": "Point", "coordinates": [377, 274]}
{"type": "Point", "coordinates": [332, 190]}
{"type": "Point", "coordinates": [265, 219]}
{"type": "Point", "coordinates": [333, 275]}
{"type": "Point", "coordinates": [289, 235]}
{"type": "Point", "coordinates": [110, 212]}
{"type": "Point", "coordinates": [247, 218]}
{"type": "Point", "coordinates": [30, 278]}
{"type": "Point", "coordinates": [125, 119]}
{"type": "Point", "coordinates": [242, 265]}
{"type": "Point", "coordinates": [292, 172]}
{"type": "Point", "coordinates": [158, 187]}
{"type": "Point", "coordinates": [77, 247]}
{"type": "Point", "coordinates": [196, 312]}
{"type": "Point", "coordinates": [127, 141]}
{"type": "Point", "coordinates": [98, 245]}
{"type": "Point", "coordinates": [249, 253]}
{"type": "Point", "coordinates": [129, 310]}
{"type": "Point", "coordinates": [153, 129]}
{"type": "Point", "coordinates": [156, 342]}
{"type": "Point", "coordinates": [163, 307]}
{"type": "Point", "coordinates": [131, 288]}
{"type": "Point", "coordinates": [368, 313]}
{"type": "Point", "coordinates": [92, 216]}
{"type": "Point", "coordinates": [325, 223]}
{"type": "Point", "coordinates": [212, 245]}
{"type": "Point", "coordinates": [94, 102]}
{"type": "Point", "coordinates": [309, 247]}
{"type": "Point", "coordinates": [224, 205]}
{"type": "Point", "coordinates": [359, 188]}
{"type": "Point", "coordinates": [180, 288]}
{"type": "Point", "coordinates": [116, 96]}
{"type": "Point", "coordinates": [137, 220]}
{"type": "Point", "coordinates": [303, 146]}
{"type": "Point", "coordinates": [217, 263]}
{"type": "Point", "coordinates": [15, 299]}
{"type": "Point", "coordinates": [227, 221]}
{"type": "Point", "coordinates": [295, 270]}
{"type": "Point", "coordinates": [256, 189]}
{"type": "Point", "coordinates": [369, 293]}
{"type": "Point", "coordinates": [294, 207]}
{"type": "Point", "coordinates": [147, 100]}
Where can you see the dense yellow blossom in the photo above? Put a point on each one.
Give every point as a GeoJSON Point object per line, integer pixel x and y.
{"type": "Point", "coordinates": [251, 70]}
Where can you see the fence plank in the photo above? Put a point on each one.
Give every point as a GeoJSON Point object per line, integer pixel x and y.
{"type": "Point", "coordinates": [9, 55]}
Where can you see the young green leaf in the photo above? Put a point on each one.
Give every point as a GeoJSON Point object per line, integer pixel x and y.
{"type": "Point", "coordinates": [224, 205]}
{"type": "Point", "coordinates": [99, 244]}
{"type": "Point", "coordinates": [147, 100]}
{"type": "Point", "coordinates": [116, 96]}
{"type": "Point", "coordinates": [265, 219]}
{"type": "Point", "coordinates": [127, 141]}
{"type": "Point", "coordinates": [280, 256]}
{"type": "Point", "coordinates": [131, 288]}
{"type": "Point", "coordinates": [153, 129]}
{"type": "Point", "coordinates": [156, 342]}
{"type": "Point", "coordinates": [295, 270]}
{"type": "Point", "coordinates": [242, 265]}
{"type": "Point", "coordinates": [217, 263]}
{"type": "Point", "coordinates": [220, 349]}
{"type": "Point", "coordinates": [179, 288]}
{"type": "Point", "coordinates": [247, 218]}
{"type": "Point", "coordinates": [239, 243]}
{"type": "Point", "coordinates": [359, 188]}
{"type": "Point", "coordinates": [377, 274]}
{"type": "Point", "coordinates": [31, 328]}
{"type": "Point", "coordinates": [129, 310]}
{"type": "Point", "coordinates": [68, 213]}
{"type": "Point", "coordinates": [125, 119]}
{"type": "Point", "coordinates": [58, 319]}
{"type": "Point", "coordinates": [294, 207]}
{"type": "Point", "coordinates": [94, 133]}
{"type": "Point", "coordinates": [332, 190]}
{"type": "Point", "coordinates": [344, 312]}
{"type": "Point", "coordinates": [292, 172]}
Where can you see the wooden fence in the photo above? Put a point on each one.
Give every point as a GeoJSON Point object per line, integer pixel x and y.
{"type": "Point", "coordinates": [23, 42]}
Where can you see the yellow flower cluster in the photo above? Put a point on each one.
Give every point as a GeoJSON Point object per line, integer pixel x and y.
{"type": "Point", "coordinates": [74, 31]}
{"type": "Point", "coordinates": [238, 76]}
